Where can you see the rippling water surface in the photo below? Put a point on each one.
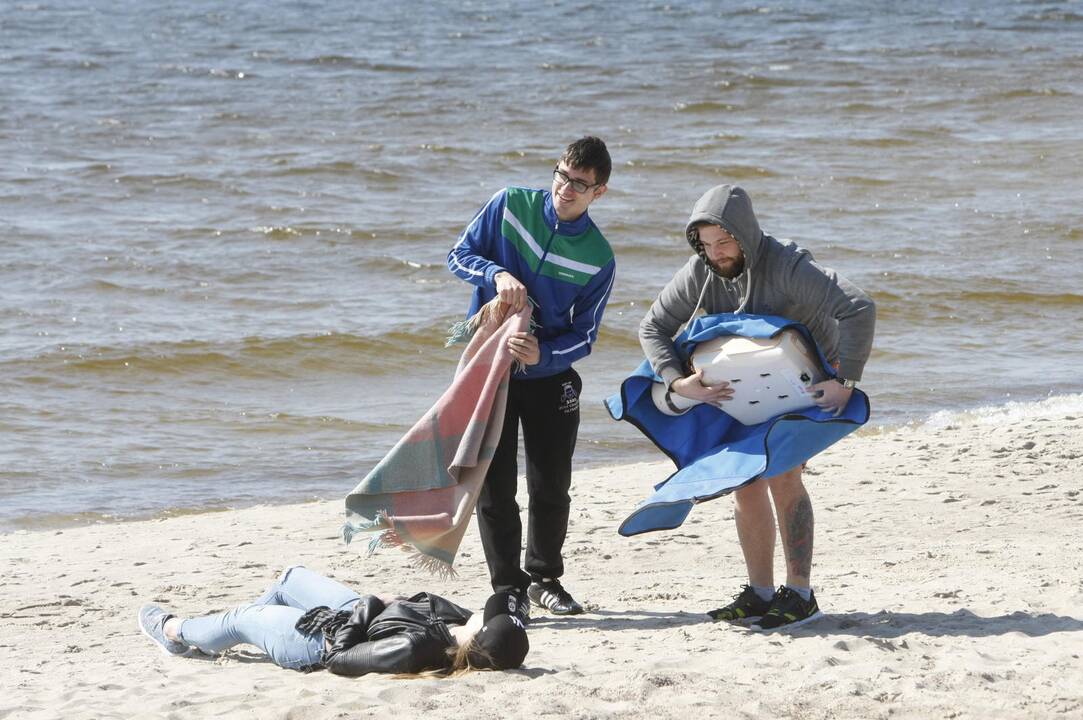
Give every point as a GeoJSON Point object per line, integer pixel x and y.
{"type": "Point", "coordinates": [223, 229]}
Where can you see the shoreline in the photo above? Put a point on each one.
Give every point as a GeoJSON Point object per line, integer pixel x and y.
{"type": "Point", "coordinates": [1068, 405]}
{"type": "Point", "coordinates": [942, 568]}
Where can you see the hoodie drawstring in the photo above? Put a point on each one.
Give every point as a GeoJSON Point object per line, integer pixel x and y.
{"type": "Point", "coordinates": [701, 294]}
{"type": "Point", "coordinates": [748, 291]}
{"type": "Point", "coordinates": [744, 295]}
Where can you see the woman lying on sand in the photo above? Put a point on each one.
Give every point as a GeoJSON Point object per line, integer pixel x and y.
{"type": "Point", "coordinates": [307, 622]}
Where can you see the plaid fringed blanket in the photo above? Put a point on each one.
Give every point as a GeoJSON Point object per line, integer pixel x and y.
{"type": "Point", "coordinates": [422, 494]}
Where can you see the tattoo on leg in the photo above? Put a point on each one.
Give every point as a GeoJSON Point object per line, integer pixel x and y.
{"type": "Point", "coordinates": [799, 526]}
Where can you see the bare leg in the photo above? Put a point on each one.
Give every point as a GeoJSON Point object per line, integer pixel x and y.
{"type": "Point", "coordinates": [794, 509]}
{"type": "Point", "coordinates": [755, 521]}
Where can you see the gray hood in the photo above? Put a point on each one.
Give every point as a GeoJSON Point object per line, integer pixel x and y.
{"type": "Point", "coordinates": [729, 207]}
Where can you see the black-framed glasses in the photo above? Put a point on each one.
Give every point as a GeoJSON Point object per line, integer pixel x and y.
{"type": "Point", "coordinates": [579, 186]}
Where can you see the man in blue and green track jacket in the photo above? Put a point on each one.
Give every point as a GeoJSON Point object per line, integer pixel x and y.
{"type": "Point", "coordinates": [542, 245]}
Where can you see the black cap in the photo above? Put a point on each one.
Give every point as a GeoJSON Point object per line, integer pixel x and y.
{"type": "Point", "coordinates": [501, 643]}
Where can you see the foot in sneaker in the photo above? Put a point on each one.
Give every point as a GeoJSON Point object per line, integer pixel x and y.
{"type": "Point", "coordinates": [152, 621]}
{"type": "Point", "coordinates": [746, 607]}
{"type": "Point", "coordinates": [788, 609]}
{"type": "Point", "coordinates": [551, 595]}
{"type": "Point", "coordinates": [522, 607]}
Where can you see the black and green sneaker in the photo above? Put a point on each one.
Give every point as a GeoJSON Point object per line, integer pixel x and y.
{"type": "Point", "coordinates": [746, 607]}
{"type": "Point", "coordinates": [788, 609]}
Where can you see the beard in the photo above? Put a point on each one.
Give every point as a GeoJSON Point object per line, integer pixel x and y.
{"type": "Point", "coordinates": [729, 269]}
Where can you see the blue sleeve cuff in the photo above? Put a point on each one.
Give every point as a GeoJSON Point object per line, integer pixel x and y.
{"type": "Point", "coordinates": [490, 274]}
{"type": "Point", "coordinates": [546, 356]}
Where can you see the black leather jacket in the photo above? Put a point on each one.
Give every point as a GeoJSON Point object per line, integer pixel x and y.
{"type": "Point", "coordinates": [407, 636]}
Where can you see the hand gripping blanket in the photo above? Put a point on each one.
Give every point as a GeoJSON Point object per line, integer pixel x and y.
{"type": "Point", "coordinates": [714, 453]}
{"type": "Point", "coordinates": [421, 496]}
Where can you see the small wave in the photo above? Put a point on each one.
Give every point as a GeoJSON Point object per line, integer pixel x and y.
{"type": "Point", "coordinates": [612, 338]}
{"type": "Point", "coordinates": [708, 107]}
{"type": "Point", "coordinates": [277, 423]}
{"type": "Point", "coordinates": [183, 181]}
{"type": "Point", "coordinates": [664, 248]}
{"type": "Point", "coordinates": [864, 181]}
{"type": "Point", "coordinates": [336, 167]}
{"type": "Point", "coordinates": [105, 286]}
{"type": "Point", "coordinates": [277, 232]}
{"type": "Point", "coordinates": [449, 150]}
{"type": "Point", "coordinates": [860, 107]}
{"type": "Point", "coordinates": [353, 63]}
{"type": "Point", "coordinates": [256, 357]}
{"type": "Point", "coordinates": [737, 172]}
{"type": "Point", "coordinates": [403, 266]}
{"type": "Point", "coordinates": [770, 81]}
{"type": "Point", "coordinates": [54, 521]}
{"type": "Point", "coordinates": [222, 73]}
{"type": "Point", "coordinates": [582, 68]}
{"type": "Point", "coordinates": [518, 156]}
{"type": "Point", "coordinates": [1024, 93]}
{"type": "Point", "coordinates": [929, 132]}
{"type": "Point", "coordinates": [1057, 16]}
{"type": "Point", "coordinates": [882, 142]}
{"type": "Point", "coordinates": [1023, 298]}
{"type": "Point", "coordinates": [1068, 407]}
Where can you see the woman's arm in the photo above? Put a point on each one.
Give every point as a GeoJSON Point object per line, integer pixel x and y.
{"type": "Point", "coordinates": [407, 652]}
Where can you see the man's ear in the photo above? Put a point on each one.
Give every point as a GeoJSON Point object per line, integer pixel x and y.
{"type": "Point", "coordinates": [599, 191]}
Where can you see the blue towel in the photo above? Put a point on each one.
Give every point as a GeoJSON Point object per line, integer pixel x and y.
{"type": "Point", "coordinates": [714, 453]}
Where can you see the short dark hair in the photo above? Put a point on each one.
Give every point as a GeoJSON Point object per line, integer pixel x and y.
{"type": "Point", "coordinates": [589, 153]}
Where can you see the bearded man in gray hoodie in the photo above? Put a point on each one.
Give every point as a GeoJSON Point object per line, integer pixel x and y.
{"type": "Point", "coordinates": [738, 268]}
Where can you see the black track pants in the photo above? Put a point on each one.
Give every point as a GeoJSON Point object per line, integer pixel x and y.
{"type": "Point", "coordinates": [548, 409]}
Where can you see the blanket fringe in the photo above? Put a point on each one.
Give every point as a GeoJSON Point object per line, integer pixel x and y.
{"type": "Point", "coordinates": [385, 539]}
{"type": "Point", "coordinates": [439, 568]}
{"type": "Point", "coordinates": [461, 332]}
{"type": "Point", "coordinates": [350, 528]}
{"type": "Point", "coordinates": [388, 538]}
{"type": "Point", "coordinates": [464, 330]}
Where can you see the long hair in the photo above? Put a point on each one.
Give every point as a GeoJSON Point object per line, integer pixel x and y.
{"type": "Point", "coordinates": [458, 663]}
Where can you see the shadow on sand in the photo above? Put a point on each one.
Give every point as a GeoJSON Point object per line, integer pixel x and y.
{"type": "Point", "coordinates": [884, 624]}
{"type": "Point", "coordinates": [961, 623]}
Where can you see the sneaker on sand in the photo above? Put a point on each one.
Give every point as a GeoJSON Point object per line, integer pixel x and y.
{"type": "Point", "coordinates": [522, 607]}
{"type": "Point", "coordinates": [552, 596]}
{"type": "Point", "coordinates": [746, 607]}
{"type": "Point", "coordinates": [152, 623]}
{"type": "Point", "coordinates": [788, 609]}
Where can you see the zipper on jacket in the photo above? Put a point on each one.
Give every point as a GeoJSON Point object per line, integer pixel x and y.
{"type": "Point", "coordinates": [545, 253]}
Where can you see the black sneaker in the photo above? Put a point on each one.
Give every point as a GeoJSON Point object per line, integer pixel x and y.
{"type": "Point", "coordinates": [552, 596]}
{"type": "Point", "coordinates": [522, 607]}
{"type": "Point", "coordinates": [788, 609]}
{"type": "Point", "coordinates": [746, 607]}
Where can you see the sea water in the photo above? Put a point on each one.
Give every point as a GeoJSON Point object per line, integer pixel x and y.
{"type": "Point", "coordinates": [223, 227]}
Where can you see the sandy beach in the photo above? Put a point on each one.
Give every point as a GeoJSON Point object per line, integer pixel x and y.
{"type": "Point", "coordinates": [947, 563]}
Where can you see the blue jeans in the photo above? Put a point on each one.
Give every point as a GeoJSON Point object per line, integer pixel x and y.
{"type": "Point", "coordinates": [269, 622]}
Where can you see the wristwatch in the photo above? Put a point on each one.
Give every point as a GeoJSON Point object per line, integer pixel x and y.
{"type": "Point", "coordinates": [851, 384]}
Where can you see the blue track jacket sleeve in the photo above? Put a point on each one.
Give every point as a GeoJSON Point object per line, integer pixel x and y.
{"type": "Point", "coordinates": [560, 352]}
{"type": "Point", "coordinates": [469, 259]}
